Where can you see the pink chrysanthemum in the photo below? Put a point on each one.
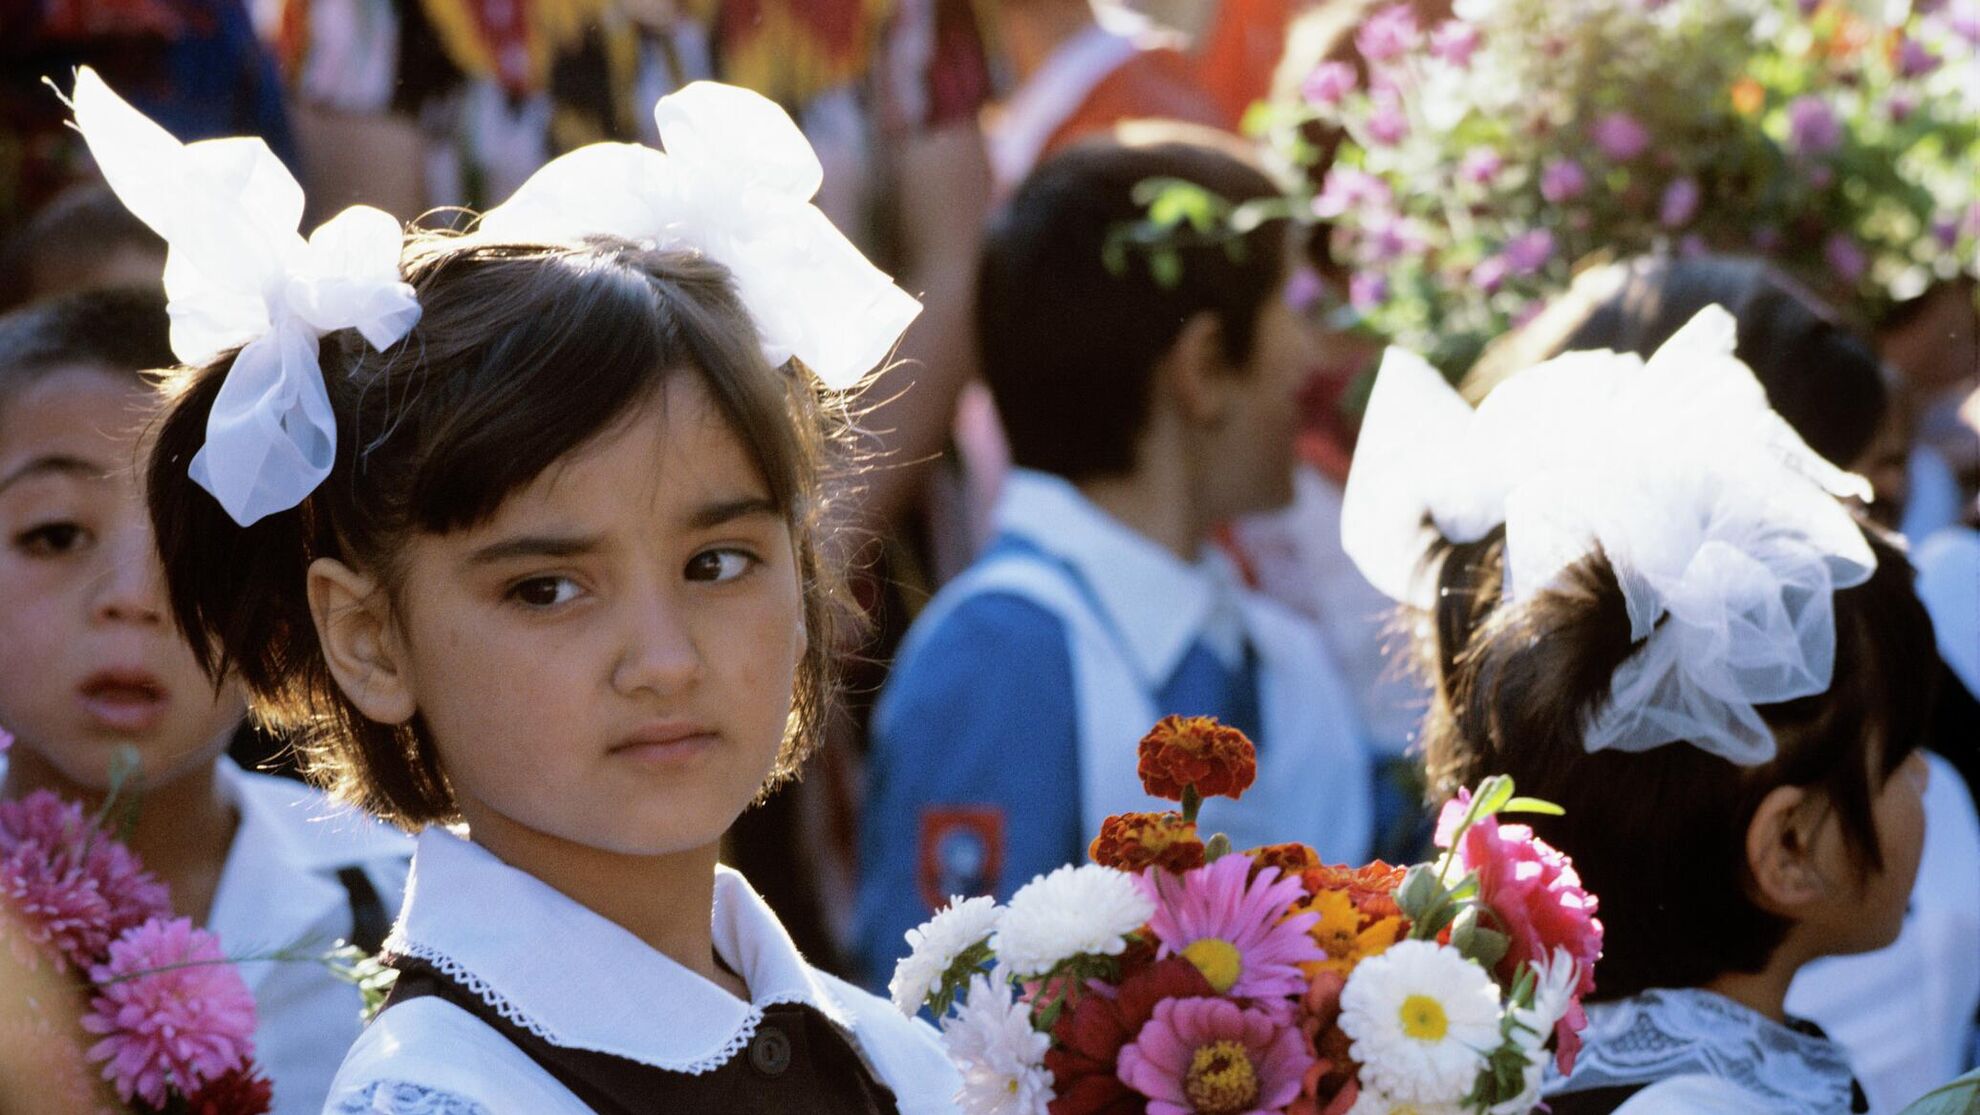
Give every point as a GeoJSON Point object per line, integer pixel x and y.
{"type": "Point", "coordinates": [171, 1011]}
{"type": "Point", "coordinates": [1213, 1057]}
{"type": "Point", "coordinates": [72, 887]}
{"type": "Point", "coordinates": [1234, 927]}
{"type": "Point", "coordinates": [1539, 902]}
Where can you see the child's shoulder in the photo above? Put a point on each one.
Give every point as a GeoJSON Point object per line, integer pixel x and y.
{"type": "Point", "coordinates": [429, 1057]}
{"type": "Point", "coordinates": [308, 824]}
{"type": "Point", "coordinates": [906, 1053]}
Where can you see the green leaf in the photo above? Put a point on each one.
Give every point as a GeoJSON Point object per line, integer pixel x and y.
{"type": "Point", "coordinates": [1166, 266]}
{"type": "Point", "coordinates": [1216, 848]}
{"type": "Point", "coordinates": [1419, 892]}
{"type": "Point", "coordinates": [1533, 805]}
{"type": "Point", "coordinates": [1958, 1097]}
{"type": "Point", "coordinates": [1492, 796]}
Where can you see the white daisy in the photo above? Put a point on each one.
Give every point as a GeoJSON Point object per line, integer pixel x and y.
{"type": "Point", "coordinates": [1423, 1019]}
{"type": "Point", "coordinates": [935, 945]}
{"type": "Point", "coordinates": [1553, 990]}
{"type": "Point", "coordinates": [1084, 909]}
{"type": "Point", "coordinates": [1001, 1058]}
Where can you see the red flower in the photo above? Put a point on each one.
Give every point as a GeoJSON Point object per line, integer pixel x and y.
{"type": "Point", "coordinates": [1087, 1042]}
{"type": "Point", "coordinates": [1137, 841]}
{"type": "Point", "coordinates": [1538, 902]}
{"type": "Point", "coordinates": [1195, 751]}
{"type": "Point", "coordinates": [239, 1092]}
{"type": "Point", "coordinates": [1330, 1087]}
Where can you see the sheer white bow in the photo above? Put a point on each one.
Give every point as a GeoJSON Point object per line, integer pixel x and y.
{"type": "Point", "coordinates": [238, 273]}
{"type": "Point", "coordinates": [1722, 526]}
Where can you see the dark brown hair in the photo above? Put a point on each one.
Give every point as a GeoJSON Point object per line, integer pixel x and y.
{"type": "Point", "coordinates": [1660, 835]}
{"type": "Point", "coordinates": [118, 330]}
{"type": "Point", "coordinates": [1818, 373]}
{"type": "Point", "coordinates": [1069, 343]}
{"type": "Point", "coordinates": [522, 354]}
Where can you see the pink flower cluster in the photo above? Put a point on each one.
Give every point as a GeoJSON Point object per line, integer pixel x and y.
{"type": "Point", "coordinates": [170, 1011]}
{"type": "Point", "coordinates": [71, 887]}
{"type": "Point", "coordinates": [1533, 891]}
{"type": "Point", "coordinates": [173, 1018]}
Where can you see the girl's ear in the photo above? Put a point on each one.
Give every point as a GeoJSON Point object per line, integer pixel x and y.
{"type": "Point", "coordinates": [360, 642]}
{"type": "Point", "coordinates": [1782, 852]}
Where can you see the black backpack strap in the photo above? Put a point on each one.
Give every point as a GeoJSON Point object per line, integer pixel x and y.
{"type": "Point", "coordinates": [369, 920]}
{"type": "Point", "coordinates": [1593, 1101]}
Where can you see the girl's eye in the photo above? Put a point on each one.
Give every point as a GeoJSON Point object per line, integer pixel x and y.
{"type": "Point", "coordinates": [719, 565]}
{"type": "Point", "coordinates": [544, 592]}
{"type": "Point", "coordinates": [53, 539]}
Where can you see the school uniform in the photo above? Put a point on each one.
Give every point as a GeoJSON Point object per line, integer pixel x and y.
{"type": "Point", "coordinates": [1694, 1052]}
{"type": "Point", "coordinates": [514, 998]}
{"type": "Point", "coordinates": [302, 873]}
{"type": "Point", "coordinates": [1008, 730]}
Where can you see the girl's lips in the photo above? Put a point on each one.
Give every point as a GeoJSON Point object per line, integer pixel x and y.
{"type": "Point", "coordinates": [669, 746]}
{"type": "Point", "coordinates": [124, 701]}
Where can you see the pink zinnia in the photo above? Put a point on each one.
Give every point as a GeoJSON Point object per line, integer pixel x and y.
{"type": "Point", "coordinates": [1213, 1057]}
{"type": "Point", "coordinates": [173, 1014]}
{"type": "Point", "coordinates": [1233, 927]}
{"type": "Point", "coordinates": [1620, 136]}
{"type": "Point", "coordinates": [1538, 902]}
{"type": "Point", "coordinates": [73, 887]}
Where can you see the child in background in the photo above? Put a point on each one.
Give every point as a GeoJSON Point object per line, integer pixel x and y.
{"type": "Point", "coordinates": [1642, 600]}
{"type": "Point", "coordinates": [535, 553]}
{"type": "Point", "coordinates": [1905, 1013]}
{"type": "Point", "coordinates": [92, 664]}
{"type": "Point", "coordinates": [1140, 414]}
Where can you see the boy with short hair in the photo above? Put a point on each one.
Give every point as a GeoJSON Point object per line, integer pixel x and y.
{"type": "Point", "coordinates": [1140, 413]}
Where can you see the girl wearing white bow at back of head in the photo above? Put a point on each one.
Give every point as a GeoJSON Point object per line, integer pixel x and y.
{"type": "Point", "coordinates": [518, 532]}
{"type": "Point", "coordinates": [1643, 599]}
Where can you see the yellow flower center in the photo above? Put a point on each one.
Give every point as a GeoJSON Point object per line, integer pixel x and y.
{"type": "Point", "coordinates": [1221, 1079]}
{"type": "Point", "coordinates": [1423, 1018]}
{"type": "Point", "coordinates": [1218, 960]}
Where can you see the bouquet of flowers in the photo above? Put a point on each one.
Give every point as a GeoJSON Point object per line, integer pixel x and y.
{"type": "Point", "coordinates": [1485, 155]}
{"type": "Point", "coordinates": [1177, 976]}
{"type": "Point", "coordinates": [100, 972]}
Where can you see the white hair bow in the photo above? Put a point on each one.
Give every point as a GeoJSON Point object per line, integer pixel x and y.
{"type": "Point", "coordinates": [1721, 524]}
{"type": "Point", "coordinates": [237, 273]}
{"type": "Point", "coordinates": [735, 183]}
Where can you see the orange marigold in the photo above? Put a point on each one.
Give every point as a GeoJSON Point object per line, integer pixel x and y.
{"type": "Point", "coordinates": [1292, 860]}
{"type": "Point", "coordinates": [1196, 751]}
{"type": "Point", "coordinates": [1371, 888]}
{"type": "Point", "coordinates": [1138, 841]}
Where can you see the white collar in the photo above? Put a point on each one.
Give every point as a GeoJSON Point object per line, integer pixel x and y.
{"type": "Point", "coordinates": [1158, 604]}
{"type": "Point", "coordinates": [578, 980]}
{"type": "Point", "coordinates": [1667, 1032]}
{"type": "Point", "coordinates": [1050, 97]}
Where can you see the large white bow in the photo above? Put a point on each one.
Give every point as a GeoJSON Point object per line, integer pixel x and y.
{"type": "Point", "coordinates": [735, 183]}
{"type": "Point", "coordinates": [237, 273]}
{"type": "Point", "coordinates": [1721, 524]}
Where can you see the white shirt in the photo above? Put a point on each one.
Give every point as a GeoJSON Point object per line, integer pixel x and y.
{"type": "Point", "coordinates": [578, 980]}
{"type": "Point", "coordinates": [279, 890]}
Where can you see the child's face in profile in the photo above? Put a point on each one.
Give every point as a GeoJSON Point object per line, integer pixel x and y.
{"type": "Point", "coordinates": [1872, 918]}
{"type": "Point", "coordinates": [1258, 454]}
{"type": "Point", "coordinates": [609, 660]}
{"type": "Point", "coordinates": [89, 656]}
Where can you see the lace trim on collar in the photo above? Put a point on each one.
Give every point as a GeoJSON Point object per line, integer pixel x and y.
{"type": "Point", "coordinates": [514, 1015]}
{"type": "Point", "coordinates": [1666, 1033]}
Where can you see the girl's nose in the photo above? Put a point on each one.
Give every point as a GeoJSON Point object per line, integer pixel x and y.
{"type": "Point", "coordinates": [132, 589]}
{"type": "Point", "coordinates": [660, 655]}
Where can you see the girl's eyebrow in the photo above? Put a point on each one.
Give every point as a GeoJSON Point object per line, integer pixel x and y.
{"type": "Point", "coordinates": [535, 546]}
{"type": "Point", "coordinates": [55, 463]}
{"type": "Point", "coordinates": [728, 511]}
